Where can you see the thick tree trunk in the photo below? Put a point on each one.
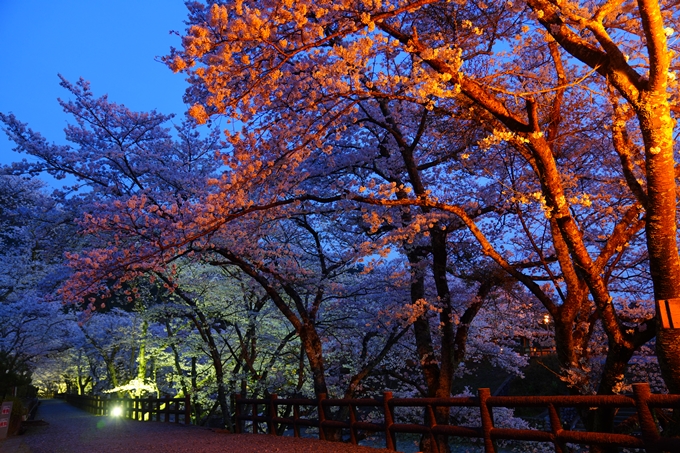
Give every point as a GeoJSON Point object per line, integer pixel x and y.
{"type": "Point", "coordinates": [661, 233]}
{"type": "Point", "coordinates": [448, 364]}
{"type": "Point", "coordinates": [113, 375]}
{"type": "Point", "coordinates": [446, 326]}
{"type": "Point", "coordinates": [219, 377]}
{"type": "Point", "coordinates": [668, 353]}
{"type": "Point", "coordinates": [176, 358]}
{"type": "Point", "coordinates": [423, 337]}
{"type": "Point", "coordinates": [602, 419]}
{"type": "Point", "coordinates": [311, 342]}
{"type": "Point", "coordinates": [142, 359]}
{"type": "Point", "coordinates": [203, 327]}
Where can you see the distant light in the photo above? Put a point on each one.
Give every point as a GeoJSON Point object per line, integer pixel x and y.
{"type": "Point", "coordinates": [546, 319]}
{"type": "Point", "coordinates": [116, 411]}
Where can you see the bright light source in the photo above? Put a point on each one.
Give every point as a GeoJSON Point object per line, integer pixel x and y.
{"type": "Point", "coordinates": [116, 411]}
{"type": "Point", "coordinates": [546, 319]}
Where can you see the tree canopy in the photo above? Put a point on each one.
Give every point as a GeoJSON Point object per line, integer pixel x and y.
{"type": "Point", "coordinates": [391, 178]}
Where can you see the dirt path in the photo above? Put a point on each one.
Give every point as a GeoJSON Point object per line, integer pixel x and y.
{"type": "Point", "coordinates": [71, 430]}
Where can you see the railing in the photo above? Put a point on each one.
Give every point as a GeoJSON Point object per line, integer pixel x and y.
{"type": "Point", "coordinates": [538, 351]}
{"type": "Point", "coordinates": [645, 403]}
{"type": "Point", "coordinates": [168, 410]}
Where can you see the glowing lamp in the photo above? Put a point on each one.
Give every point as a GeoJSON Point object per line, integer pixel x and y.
{"type": "Point", "coordinates": [116, 411]}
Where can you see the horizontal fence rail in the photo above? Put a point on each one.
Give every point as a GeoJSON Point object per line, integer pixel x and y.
{"type": "Point", "coordinates": [168, 410]}
{"type": "Point", "coordinates": [267, 411]}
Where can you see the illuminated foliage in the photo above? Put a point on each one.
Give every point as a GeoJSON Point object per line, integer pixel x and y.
{"type": "Point", "coordinates": [465, 144]}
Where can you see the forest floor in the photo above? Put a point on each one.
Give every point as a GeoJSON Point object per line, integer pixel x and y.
{"type": "Point", "coordinates": [71, 430]}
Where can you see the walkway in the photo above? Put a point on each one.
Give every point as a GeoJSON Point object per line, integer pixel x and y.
{"type": "Point", "coordinates": [72, 430]}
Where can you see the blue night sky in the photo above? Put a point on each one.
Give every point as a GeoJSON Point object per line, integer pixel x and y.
{"type": "Point", "coordinates": [110, 43]}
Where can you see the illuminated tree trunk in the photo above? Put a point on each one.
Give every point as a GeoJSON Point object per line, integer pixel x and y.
{"type": "Point", "coordinates": [176, 358]}
{"type": "Point", "coordinates": [661, 231]}
{"type": "Point", "coordinates": [313, 350]}
{"type": "Point", "coordinates": [142, 359]}
{"type": "Point", "coordinates": [205, 331]}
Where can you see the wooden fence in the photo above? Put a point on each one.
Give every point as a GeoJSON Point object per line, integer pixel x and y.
{"type": "Point", "coordinates": [168, 410]}
{"type": "Point", "coordinates": [267, 411]}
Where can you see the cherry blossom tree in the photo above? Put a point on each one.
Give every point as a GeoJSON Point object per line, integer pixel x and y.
{"type": "Point", "coordinates": [545, 103]}
{"type": "Point", "coordinates": [486, 143]}
{"type": "Point", "coordinates": [30, 267]}
{"type": "Point", "coordinates": [152, 191]}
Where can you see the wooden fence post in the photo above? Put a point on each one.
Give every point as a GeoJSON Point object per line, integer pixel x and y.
{"type": "Point", "coordinates": [487, 420]}
{"type": "Point", "coordinates": [187, 409]}
{"type": "Point", "coordinates": [390, 437]}
{"type": "Point", "coordinates": [296, 417]}
{"type": "Point", "coordinates": [322, 416]}
{"type": "Point", "coordinates": [271, 413]}
{"type": "Point", "coordinates": [650, 433]}
{"type": "Point", "coordinates": [238, 427]}
{"type": "Point", "coordinates": [556, 428]}
{"type": "Point", "coordinates": [237, 412]}
{"type": "Point", "coordinates": [432, 422]}
{"type": "Point", "coordinates": [253, 414]}
{"type": "Point", "coordinates": [352, 421]}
